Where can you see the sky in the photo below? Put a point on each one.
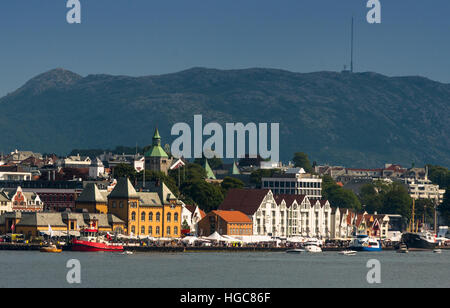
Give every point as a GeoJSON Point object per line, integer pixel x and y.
{"type": "Point", "coordinates": [152, 37]}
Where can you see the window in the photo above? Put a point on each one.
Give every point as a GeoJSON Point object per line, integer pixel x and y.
{"type": "Point", "coordinates": [150, 230]}
{"type": "Point", "coordinates": [157, 230]}
{"type": "Point", "coordinates": [150, 216]}
{"type": "Point", "coordinates": [133, 229]}
{"type": "Point", "coordinates": [168, 230]}
{"type": "Point", "coordinates": [158, 217]}
{"type": "Point", "coordinates": [121, 204]}
{"type": "Point", "coordinates": [143, 215]}
{"type": "Point", "coordinates": [175, 230]}
{"type": "Point", "coordinates": [175, 217]}
{"type": "Point", "coordinates": [143, 230]}
{"type": "Point", "coordinates": [169, 216]}
{"type": "Point", "coordinates": [133, 216]}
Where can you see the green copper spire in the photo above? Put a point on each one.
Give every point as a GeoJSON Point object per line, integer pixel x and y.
{"type": "Point", "coordinates": [209, 173]}
{"type": "Point", "coordinates": [156, 138]}
{"type": "Point", "coordinates": [235, 169]}
{"type": "Point", "coordinates": [156, 150]}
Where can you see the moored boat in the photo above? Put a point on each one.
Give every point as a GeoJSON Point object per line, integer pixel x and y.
{"type": "Point", "coordinates": [402, 248]}
{"type": "Point", "coordinates": [295, 251]}
{"type": "Point", "coordinates": [91, 241]}
{"type": "Point", "coordinates": [51, 249]}
{"type": "Point", "coordinates": [348, 252]}
{"type": "Point", "coordinates": [365, 243]}
{"type": "Point", "coordinates": [419, 240]}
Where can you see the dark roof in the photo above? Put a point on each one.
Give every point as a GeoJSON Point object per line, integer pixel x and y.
{"type": "Point", "coordinates": [289, 199]}
{"type": "Point", "coordinates": [245, 200]}
{"type": "Point", "coordinates": [91, 194]}
{"type": "Point", "coordinates": [123, 189]}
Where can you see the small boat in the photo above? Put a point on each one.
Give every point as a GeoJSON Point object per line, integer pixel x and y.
{"type": "Point", "coordinates": [295, 251]}
{"type": "Point", "coordinates": [437, 251]}
{"type": "Point", "coordinates": [348, 253]}
{"type": "Point", "coordinates": [365, 243]}
{"type": "Point", "coordinates": [127, 252]}
{"type": "Point", "coordinates": [313, 248]}
{"type": "Point", "coordinates": [50, 249]}
{"type": "Point", "coordinates": [402, 248]}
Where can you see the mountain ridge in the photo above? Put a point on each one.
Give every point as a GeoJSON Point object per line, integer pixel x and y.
{"type": "Point", "coordinates": [363, 119]}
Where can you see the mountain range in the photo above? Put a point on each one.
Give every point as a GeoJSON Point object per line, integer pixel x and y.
{"type": "Point", "coordinates": [350, 119]}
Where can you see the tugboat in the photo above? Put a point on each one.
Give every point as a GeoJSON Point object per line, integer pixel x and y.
{"type": "Point", "coordinates": [91, 241]}
{"type": "Point", "coordinates": [365, 243]}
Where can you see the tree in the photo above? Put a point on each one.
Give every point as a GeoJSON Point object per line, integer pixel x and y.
{"type": "Point", "coordinates": [339, 196]}
{"type": "Point", "coordinates": [153, 176]}
{"type": "Point", "coordinates": [230, 183]}
{"type": "Point", "coordinates": [301, 160]}
{"type": "Point", "coordinates": [397, 201]}
{"type": "Point", "coordinates": [125, 171]}
{"type": "Point", "coordinates": [439, 175]}
{"type": "Point", "coordinates": [444, 208]}
{"type": "Point", "coordinates": [371, 198]}
{"type": "Point", "coordinates": [257, 175]}
{"type": "Point", "coordinates": [207, 196]}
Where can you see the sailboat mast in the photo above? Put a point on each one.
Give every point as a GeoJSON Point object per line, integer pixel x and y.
{"type": "Point", "coordinates": [413, 211]}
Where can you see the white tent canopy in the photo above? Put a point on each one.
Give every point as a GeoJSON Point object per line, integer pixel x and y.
{"type": "Point", "coordinates": [216, 237]}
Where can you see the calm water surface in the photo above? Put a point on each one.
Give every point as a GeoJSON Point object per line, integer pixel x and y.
{"type": "Point", "coordinates": [224, 270]}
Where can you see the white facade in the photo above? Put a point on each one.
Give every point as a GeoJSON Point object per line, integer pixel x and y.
{"type": "Point", "coordinates": [295, 182]}
{"type": "Point", "coordinates": [291, 217]}
{"type": "Point", "coordinates": [96, 169]}
{"type": "Point", "coordinates": [15, 176]}
{"type": "Point", "coordinates": [5, 204]}
{"type": "Point", "coordinates": [424, 189]}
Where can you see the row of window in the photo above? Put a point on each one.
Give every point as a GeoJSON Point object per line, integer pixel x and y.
{"type": "Point", "coordinates": [240, 231]}
{"type": "Point", "coordinates": [157, 230]}
{"type": "Point", "coordinates": [270, 184]}
{"type": "Point", "coordinates": [157, 216]}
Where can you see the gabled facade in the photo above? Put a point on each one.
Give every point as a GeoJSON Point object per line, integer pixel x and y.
{"type": "Point", "coordinates": [156, 158]}
{"type": "Point", "coordinates": [92, 200]}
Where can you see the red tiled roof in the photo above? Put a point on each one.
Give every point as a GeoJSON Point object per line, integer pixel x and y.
{"type": "Point", "coordinates": [233, 216]}
{"type": "Point", "coordinates": [244, 200]}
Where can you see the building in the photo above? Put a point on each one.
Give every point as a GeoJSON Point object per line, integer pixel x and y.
{"type": "Point", "coordinates": [22, 201]}
{"type": "Point", "coordinates": [37, 224]}
{"type": "Point", "coordinates": [74, 162]}
{"type": "Point", "coordinates": [92, 200]}
{"type": "Point", "coordinates": [96, 169]}
{"type": "Point", "coordinates": [14, 173]}
{"type": "Point", "coordinates": [226, 223]}
{"type": "Point", "coordinates": [295, 182]}
{"type": "Point", "coordinates": [154, 213]}
{"type": "Point", "coordinates": [282, 215]}
{"type": "Point", "coordinates": [5, 203]}
{"type": "Point", "coordinates": [425, 189]}
{"type": "Point", "coordinates": [156, 158]}
{"type": "Point", "coordinates": [56, 195]}
{"type": "Point", "coordinates": [192, 215]}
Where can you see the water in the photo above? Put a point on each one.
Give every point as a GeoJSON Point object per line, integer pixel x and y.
{"type": "Point", "coordinates": [224, 270]}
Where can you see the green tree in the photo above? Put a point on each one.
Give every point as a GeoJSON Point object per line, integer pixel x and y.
{"type": "Point", "coordinates": [125, 170]}
{"type": "Point", "coordinates": [397, 201]}
{"type": "Point", "coordinates": [257, 175]}
{"type": "Point", "coordinates": [230, 183]}
{"type": "Point", "coordinates": [207, 196]}
{"type": "Point", "coordinates": [339, 196]}
{"type": "Point", "coordinates": [301, 160]}
{"type": "Point", "coordinates": [439, 175]}
{"type": "Point", "coordinates": [371, 198]}
{"type": "Point", "coordinates": [444, 208]}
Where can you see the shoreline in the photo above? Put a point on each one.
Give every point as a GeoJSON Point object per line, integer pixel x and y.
{"type": "Point", "coordinates": [180, 249]}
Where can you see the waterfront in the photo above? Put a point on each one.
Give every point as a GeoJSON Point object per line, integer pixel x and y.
{"type": "Point", "coordinates": [224, 270]}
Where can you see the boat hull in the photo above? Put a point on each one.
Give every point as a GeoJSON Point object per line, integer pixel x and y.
{"type": "Point", "coordinates": [50, 250]}
{"type": "Point", "coordinates": [366, 248]}
{"type": "Point", "coordinates": [414, 241]}
{"type": "Point", "coordinates": [95, 247]}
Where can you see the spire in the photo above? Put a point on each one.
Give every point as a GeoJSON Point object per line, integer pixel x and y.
{"type": "Point", "coordinates": [156, 138]}
{"type": "Point", "coordinates": [209, 172]}
{"type": "Point", "coordinates": [235, 169]}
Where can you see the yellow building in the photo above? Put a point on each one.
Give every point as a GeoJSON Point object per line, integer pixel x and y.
{"type": "Point", "coordinates": [37, 224]}
{"type": "Point", "coordinates": [156, 213]}
{"type": "Point", "coordinates": [92, 200]}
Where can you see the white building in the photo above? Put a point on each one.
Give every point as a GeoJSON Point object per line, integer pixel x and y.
{"type": "Point", "coordinates": [295, 182]}
{"type": "Point", "coordinates": [96, 169]}
{"type": "Point", "coordinates": [5, 203]}
{"type": "Point", "coordinates": [15, 176]}
{"type": "Point", "coordinates": [74, 162]}
{"type": "Point", "coordinates": [192, 215]}
{"type": "Point", "coordinates": [281, 215]}
{"type": "Point", "coordinates": [425, 189]}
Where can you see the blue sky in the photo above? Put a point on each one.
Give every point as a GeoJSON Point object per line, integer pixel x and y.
{"type": "Point", "coordinates": [148, 37]}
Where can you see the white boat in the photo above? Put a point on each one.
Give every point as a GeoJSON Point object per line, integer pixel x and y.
{"type": "Point", "coordinates": [313, 248]}
{"type": "Point", "coordinates": [295, 251]}
{"type": "Point", "coordinates": [365, 243]}
{"type": "Point", "coordinates": [348, 252]}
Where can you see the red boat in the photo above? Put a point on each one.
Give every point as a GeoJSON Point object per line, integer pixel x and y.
{"type": "Point", "coordinates": [91, 241]}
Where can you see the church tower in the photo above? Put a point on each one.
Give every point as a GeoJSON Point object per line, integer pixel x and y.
{"type": "Point", "coordinates": [156, 158]}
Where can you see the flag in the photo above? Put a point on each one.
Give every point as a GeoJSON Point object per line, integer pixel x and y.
{"type": "Point", "coordinates": [13, 227]}
{"type": "Point", "coordinates": [50, 231]}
